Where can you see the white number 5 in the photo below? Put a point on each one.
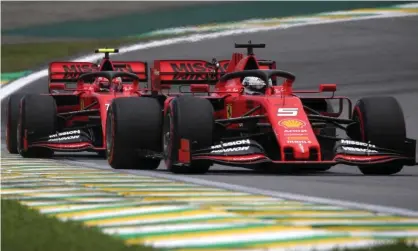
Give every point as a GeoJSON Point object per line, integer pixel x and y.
{"type": "Point", "coordinates": [287, 112]}
{"type": "Point", "coordinates": [107, 106]}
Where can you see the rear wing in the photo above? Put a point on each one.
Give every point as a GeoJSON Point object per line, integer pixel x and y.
{"type": "Point", "coordinates": [70, 71]}
{"type": "Point", "coordinates": [165, 73]}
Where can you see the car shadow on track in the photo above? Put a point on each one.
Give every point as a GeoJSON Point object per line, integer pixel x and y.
{"type": "Point", "coordinates": [226, 170]}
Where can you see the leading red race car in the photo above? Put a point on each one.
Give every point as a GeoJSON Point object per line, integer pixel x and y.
{"type": "Point", "coordinates": [71, 119]}
{"type": "Point", "coordinates": [276, 129]}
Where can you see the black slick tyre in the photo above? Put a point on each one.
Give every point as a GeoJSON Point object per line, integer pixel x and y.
{"type": "Point", "coordinates": [37, 118]}
{"type": "Point", "coordinates": [382, 123]}
{"type": "Point", "coordinates": [133, 127]}
{"type": "Point", "coordinates": [188, 118]}
{"type": "Point", "coordinates": [12, 116]}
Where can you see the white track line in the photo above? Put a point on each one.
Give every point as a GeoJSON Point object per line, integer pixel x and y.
{"type": "Point", "coordinates": [256, 191]}
{"type": "Point", "coordinates": [22, 82]}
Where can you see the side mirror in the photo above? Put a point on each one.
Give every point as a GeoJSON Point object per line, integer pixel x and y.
{"type": "Point", "coordinates": [57, 86]}
{"type": "Point", "coordinates": [199, 88]}
{"type": "Point", "coordinates": [327, 87]}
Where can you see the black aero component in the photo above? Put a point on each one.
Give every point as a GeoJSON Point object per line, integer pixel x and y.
{"type": "Point", "coordinates": [38, 117]}
{"type": "Point", "coordinates": [250, 46]}
{"type": "Point", "coordinates": [381, 122]}
{"type": "Point", "coordinates": [263, 74]}
{"type": "Point", "coordinates": [107, 74]}
{"type": "Point", "coordinates": [12, 114]}
{"type": "Point", "coordinates": [133, 124]}
{"type": "Point", "coordinates": [187, 118]}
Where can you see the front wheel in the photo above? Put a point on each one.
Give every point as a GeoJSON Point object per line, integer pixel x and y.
{"type": "Point", "coordinates": [187, 118]}
{"type": "Point", "coordinates": [133, 127]}
{"type": "Point", "coordinates": [12, 115]}
{"type": "Point", "coordinates": [37, 118]}
{"type": "Point", "coordinates": [382, 123]}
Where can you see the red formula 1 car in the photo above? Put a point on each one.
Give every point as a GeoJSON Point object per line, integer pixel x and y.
{"type": "Point", "coordinates": [71, 119]}
{"type": "Point", "coordinates": [277, 129]}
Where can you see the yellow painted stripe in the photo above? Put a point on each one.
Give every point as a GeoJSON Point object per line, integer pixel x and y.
{"type": "Point", "coordinates": [109, 210]}
{"type": "Point", "coordinates": [183, 193]}
{"type": "Point", "coordinates": [215, 233]}
{"type": "Point", "coordinates": [160, 216]}
{"type": "Point", "coordinates": [360, 228]}
{"type": "Point", "coordinates": [180, 191]}
{"type": "Point", "coordinates": [305, 212]}
{"type": "Point", "coordinates": [203, 199]}
{"type": "Point", "coordinates": [290, 244]}
{"type": "Point", "coordinates": [351, 219]}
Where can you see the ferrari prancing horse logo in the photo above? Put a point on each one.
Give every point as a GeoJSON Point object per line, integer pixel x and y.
{"type": "Point", "coordinates": [228, 111]}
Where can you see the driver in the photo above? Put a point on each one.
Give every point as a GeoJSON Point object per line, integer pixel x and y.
{"type": "Point", "coordinates": [255, 85]}
{"type": "Point", "coordinates": [105, 85]}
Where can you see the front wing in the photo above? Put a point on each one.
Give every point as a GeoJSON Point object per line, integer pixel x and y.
{"type": "Point", "coordinates": [249, 152]}
{"type": "Point", "coordinates": [68, 141]}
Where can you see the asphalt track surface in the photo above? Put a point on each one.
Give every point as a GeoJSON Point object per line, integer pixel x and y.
{"type": "Point", "coordinates": [365, 58]}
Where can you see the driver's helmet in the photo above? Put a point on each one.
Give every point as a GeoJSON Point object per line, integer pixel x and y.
{"type": "Point", "coordinates": [255, 85]}
{"type": "Point", "coordinates": [117, 84]}
{"type": "Point", "coordinates": [105, 85]}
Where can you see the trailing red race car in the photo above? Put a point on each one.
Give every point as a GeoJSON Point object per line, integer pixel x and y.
{"type": "Point", "coordinates": [270, 126]}
{"type": "Point", "coordinates": [71, 119]}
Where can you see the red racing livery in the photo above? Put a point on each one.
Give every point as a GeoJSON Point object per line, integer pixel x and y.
{"type": "Point", "coordinates": [213, 117]}
{"type": "Point", "coordinates": [73, 115]}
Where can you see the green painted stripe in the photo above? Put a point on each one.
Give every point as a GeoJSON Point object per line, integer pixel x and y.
{"type": "Point", "coordinates": [93, 217]}
{"type": "Point", "coordinates": [247, 243]}
{"type": "Point", "coordinates": [238, 227]}
{"type": "Point", "coordinates": [9, 76]}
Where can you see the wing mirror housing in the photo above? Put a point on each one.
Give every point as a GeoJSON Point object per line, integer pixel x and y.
{"type": "Point", "coordinates": [57, 86]}
{"type": "Point", "coordinates": [327, 87]}
{"type": "Point", "coordinates": [199, 88]}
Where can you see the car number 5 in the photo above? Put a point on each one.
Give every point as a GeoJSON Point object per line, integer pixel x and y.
{"type": "Point", "coordinates": [287, 112]}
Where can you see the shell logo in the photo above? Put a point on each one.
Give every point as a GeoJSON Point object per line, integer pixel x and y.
{"type": "Point", "coordinates": [292, 123]}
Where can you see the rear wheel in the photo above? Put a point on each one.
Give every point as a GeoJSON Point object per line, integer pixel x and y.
{"type": "Point", "coordinates": [37, 118]}
{"type": "Point", "coordinates": [192, 119]}
{"type": "Point", "coordinates": [133, 133]}
{"type": "Point", "coordinates": [382, 123]}
{"type": "Point", "coordinates": [12, 115]}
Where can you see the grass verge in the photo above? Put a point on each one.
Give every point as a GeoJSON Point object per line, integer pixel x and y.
{"type": "Point", "coordinates": [26, 229]}
{"type": "Point", "coordinates": [19, 57]}
{"type": "Point", "coordinates": [25, 56]}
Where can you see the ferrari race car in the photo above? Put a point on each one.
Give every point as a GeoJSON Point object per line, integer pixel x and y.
{"type": "Point", "coordinates": [277, 129]}
{"type": "Point", "coordinates": [71, 119]}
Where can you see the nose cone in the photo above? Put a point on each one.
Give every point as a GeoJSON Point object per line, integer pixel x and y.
{"type": "Point", "coordinates": [293, 130]}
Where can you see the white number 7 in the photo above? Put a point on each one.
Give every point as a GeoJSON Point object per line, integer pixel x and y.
{"type": "Point", "coordinates": [287, 112]}
{"type": "Point", "coordinates": [107, 106]}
